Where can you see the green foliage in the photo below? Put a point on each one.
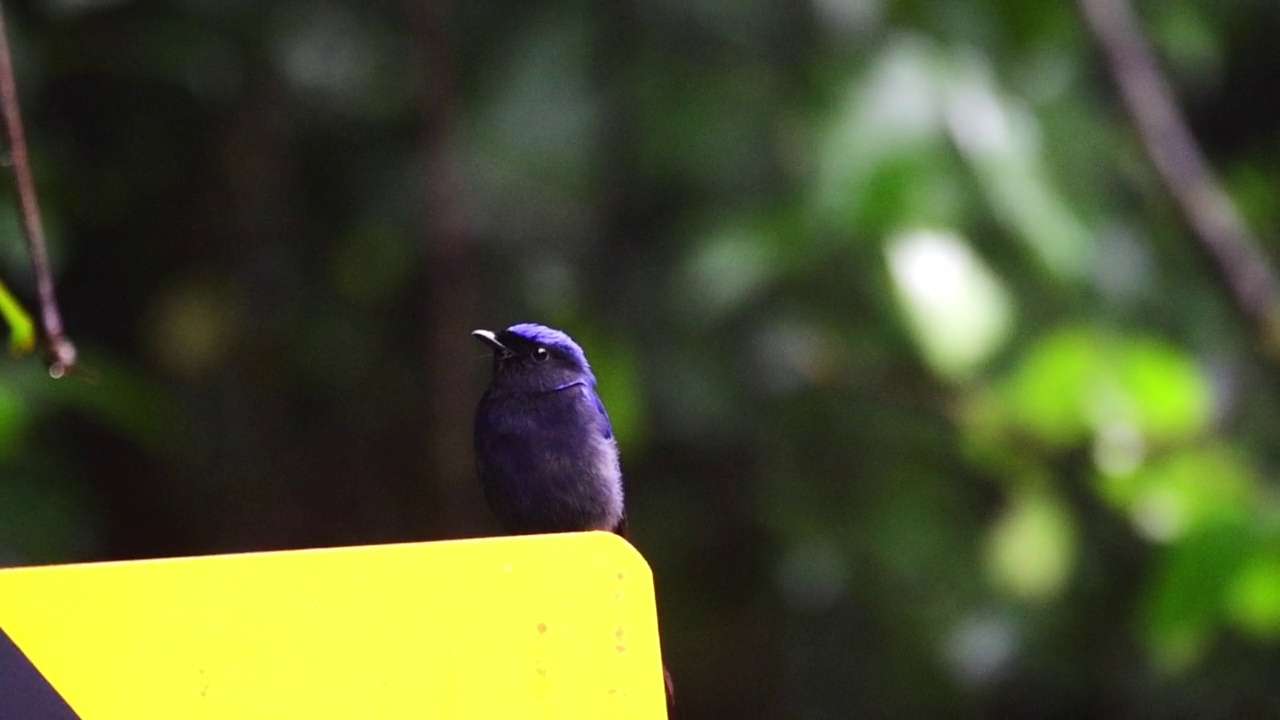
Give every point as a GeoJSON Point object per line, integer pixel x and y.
{"type": "Point", "coordinates": [22, 331]}
{"type": "Point", "coordinates": [1077, 385]}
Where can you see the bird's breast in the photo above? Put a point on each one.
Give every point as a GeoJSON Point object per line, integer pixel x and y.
{"type": "Point", "coordinates": [547, 463]}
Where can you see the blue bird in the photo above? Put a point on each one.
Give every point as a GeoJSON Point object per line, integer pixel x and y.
{"type": "Point", "coordinates": [545, 450]}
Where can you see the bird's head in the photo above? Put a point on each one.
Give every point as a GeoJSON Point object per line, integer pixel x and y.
{"type": "Point", "coordinates": [535, 358]}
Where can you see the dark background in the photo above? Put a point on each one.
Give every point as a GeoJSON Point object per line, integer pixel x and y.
{"type": "Point", "coordinates": [929, 402]}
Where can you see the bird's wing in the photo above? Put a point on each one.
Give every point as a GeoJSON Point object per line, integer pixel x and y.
{"type": "Point", "coordinates": [604, 415]}
{"type": "Point", "coordinates": [621, 527]}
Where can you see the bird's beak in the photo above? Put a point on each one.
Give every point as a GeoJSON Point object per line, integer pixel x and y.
{"type": "Point", "coordinates": [488, 338]}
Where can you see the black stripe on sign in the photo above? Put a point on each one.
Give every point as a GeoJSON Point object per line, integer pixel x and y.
{"type": "Point", "coordinates": [24, 693]}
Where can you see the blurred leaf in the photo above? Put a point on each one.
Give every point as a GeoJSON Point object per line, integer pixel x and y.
{"type": "Point", "coordinates": [1000, 139]}
{"type": "Point", "coordinates": [957, 308]}
{"type": "Point", "coordinates": [22, 330]}
{"type": "Point", "coordinates": [1253, 596]}
{"type": "Point", "coordinates": [1173, 496]}
{"type": "Point", "coordinates": [888, 117]}
{"type": "Point", "coordinates": [920, 186]}
{"type": "Point", "coordinates": [1186, 596]}
{"type": "Point", "coordinates": [1048, 391]}
{"type": "Point", "coordinates": [1077, 382]}
{"type": "Point", "coordinates": [1032, 545]}
{"type": "Point", "coordinates": [1167, 393]}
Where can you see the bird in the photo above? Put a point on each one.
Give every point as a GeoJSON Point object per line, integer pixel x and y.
{"type": "Point", "coordinates": [545, 450]}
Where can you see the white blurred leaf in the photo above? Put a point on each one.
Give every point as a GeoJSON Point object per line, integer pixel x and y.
{"type": "Point", "coordinates": [957, 308]}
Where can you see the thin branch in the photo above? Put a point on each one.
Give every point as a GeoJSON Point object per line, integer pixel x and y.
{"type": "Point", "coordinates": [60, 352]}
{"type": "Point", "coordinates": [1206, 207]}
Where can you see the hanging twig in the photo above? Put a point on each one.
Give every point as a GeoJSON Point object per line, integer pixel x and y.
{"type": "Point", "coordinates": [59, 351]}
{"type": "Point", "coordinates": [1206, 207]}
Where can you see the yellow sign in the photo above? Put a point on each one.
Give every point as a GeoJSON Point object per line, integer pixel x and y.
{"type": "Point", "coordinates": [542, 626]}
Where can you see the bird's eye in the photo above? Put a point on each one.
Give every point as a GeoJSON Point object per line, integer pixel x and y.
{"type": "Point", "coordinates": [541, 354]}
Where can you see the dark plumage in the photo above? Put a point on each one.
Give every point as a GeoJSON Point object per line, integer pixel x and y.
{"type": "Point", "coordinates": [544, 446]}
